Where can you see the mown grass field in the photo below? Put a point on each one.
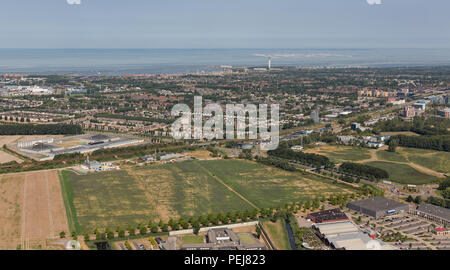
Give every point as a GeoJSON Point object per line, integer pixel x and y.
{"type": "Point", "coordinates": [403, 173]}
{"type": "Point", "coordinates": [192, 188]}
{"type": "Point", "coordinates": [267, 186]}
{"type": "Point", "coordinates": [391, 156]}
{"type": "Point", "coordinates": [193, 239]}
{"type": "Point", "coordinates": [435, 160]}
{"type": "Point", "coordinates": [340, 153]}
{"type": "Point", "coordinates": [101, 200]}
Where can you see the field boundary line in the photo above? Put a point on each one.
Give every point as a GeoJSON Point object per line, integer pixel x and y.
{"type": "Point", "coordinates": [227, 186]}
{"type": "Point", "coordinates": [68, 204]}
{"type": "Point", "coordinates": [50, 216]}
{"type": "Point", "coordinates": [24, 203]}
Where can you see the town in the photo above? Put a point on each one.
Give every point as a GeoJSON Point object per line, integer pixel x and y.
{"type": "Point", "coordinates": [362, 163]}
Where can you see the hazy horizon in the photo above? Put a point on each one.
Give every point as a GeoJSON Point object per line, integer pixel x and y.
{"type": "Point", "coordinates": [231, 24]}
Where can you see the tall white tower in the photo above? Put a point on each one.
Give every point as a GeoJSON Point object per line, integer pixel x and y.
{"type": "Point", "coordinates": [270, 62]}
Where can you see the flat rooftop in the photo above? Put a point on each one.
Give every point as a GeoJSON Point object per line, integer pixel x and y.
{"type": "Point", "coordinates": [328, 215]}
{"type": "Point", "coordinates": [434, 210]}
{"type": "Point", "coordinates": [377, 204]}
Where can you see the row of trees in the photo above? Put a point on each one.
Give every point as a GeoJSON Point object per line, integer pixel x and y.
{"type": "Point", "coordinates": [363, 170]}
{"type": "Point", "coordinates": [17, 119]}
{"type": "Point", "coordinates": [40, 129]}
{"type": "Point", "coordinates": [276, 162]}
{"type": "Point", "coordinates": [133, 118]}
{"type": "Point", "coordinates": [444, 187]}
{"type": "Point", "coordinates": [306, 158]}
{"type": "Point", "coordinates": [438, 201]}
{"type": "Point", "coordinates": [420, 125]}
{"type": "Point", "coordinates": [440, 143]}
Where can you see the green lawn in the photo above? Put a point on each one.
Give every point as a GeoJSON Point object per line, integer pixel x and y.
{"type": "Point", "coordinates": [247, 238]}
{"type": "Point", "coordinates": [391, 156]}
{"type": "Point", "coordinates": [435, 160]}
{"type": "Point", "coordinates": [402, 173]}
{"type": "Point", "coordinates": [339, 153]}
{"type": "Point", "coordinates": [193, 239]}
{"type": "Point", "coordinates": [278, 234]}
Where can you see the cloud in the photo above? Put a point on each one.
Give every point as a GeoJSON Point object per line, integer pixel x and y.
{"type": "Point", "coordinates": [374, 2]}
{"type": "Point", "coordinates": [74, 2]}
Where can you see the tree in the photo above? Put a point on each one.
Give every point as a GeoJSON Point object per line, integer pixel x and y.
{"type": "Point", "coordinates": [258, 232]}
{"type": "Point", "coordinates": [110, 234]}
{"type": "Point", "coordinates": [410, 199]}
{"type": "Point", "coordinates": [62, 234]}
{"type": "Point", "coordinates": [86, 236]}
{"type": "Point", "coordinates": [131, 230]}
{"type": "Point", "coordinates": [196, 228]}
{"type": "Point", "coordinates": [143, 230]}
{"type": "Point", "coordinates": [418, 200]}
{"type": "Point", "coordinates": [393, 144]}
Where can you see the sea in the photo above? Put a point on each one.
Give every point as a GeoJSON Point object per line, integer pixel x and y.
{"type": "Point", "coordinates": [110, 62]}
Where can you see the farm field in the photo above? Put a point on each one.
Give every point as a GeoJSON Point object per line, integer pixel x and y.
{"type": "Point", "coordinates": [7, 157]}
{"type": "Point", "coordinates": [277, 233]}
{"type": "Point", "coordinates": [267, 186]}
{"type": "Point", "coordinates": [31, 210]}
{"type": "Point", "coordinates": [191, 188]}
{"type": "Point", "coordinates": [340, 153]}
{"type": "Point", "coordinates": [403, 173]}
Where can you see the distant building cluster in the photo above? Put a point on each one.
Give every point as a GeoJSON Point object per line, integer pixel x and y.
{"type": "Point", "coordinates": [16, 90]}
{"type": "Point", "coordinates": [48, 148]}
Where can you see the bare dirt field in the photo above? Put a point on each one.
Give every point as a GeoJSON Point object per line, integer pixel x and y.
{"type": "Point", "coordinates": [31, 210]}
{"type": "Point", "coordinates": [408, 133]}
{"type": "Point", "coordinates": [6, 157]}
{"type": "Point", "coordinates": [201, 154]}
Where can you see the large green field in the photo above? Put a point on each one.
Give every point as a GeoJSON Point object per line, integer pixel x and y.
{"type": "Point", "coordinates": [192, 188]}
{"type": "Point", "coordinates": [267, 186]}
{"type": "Point", "coordinates": [435, 160]}
{"type": "Point", "coordinates": [403, 173]}
{"type": "Point", "coordinates": [391, 156]}
{"type": "Point", "coordinates": [340, 153]}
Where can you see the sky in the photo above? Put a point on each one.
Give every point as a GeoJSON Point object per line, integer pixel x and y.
{"type": "Point", "coordinates": [224, 24]}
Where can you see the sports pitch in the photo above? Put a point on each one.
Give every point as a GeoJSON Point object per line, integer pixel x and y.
{"type": "Point", "coordinates": [192, 188]}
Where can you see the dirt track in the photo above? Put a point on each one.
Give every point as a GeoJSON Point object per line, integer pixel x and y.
{"type": "Point", "coordinates": [374, 157]}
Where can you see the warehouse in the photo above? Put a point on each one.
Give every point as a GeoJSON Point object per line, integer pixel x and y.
{"type": "Point", "coordinates": [433, 213]}
{"type": "Point", "coordinates": [331, 215]}
{"type": "Point", "coordinates": [378, 207]}
{"type": "Point", "coordinates": [345, 235]}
